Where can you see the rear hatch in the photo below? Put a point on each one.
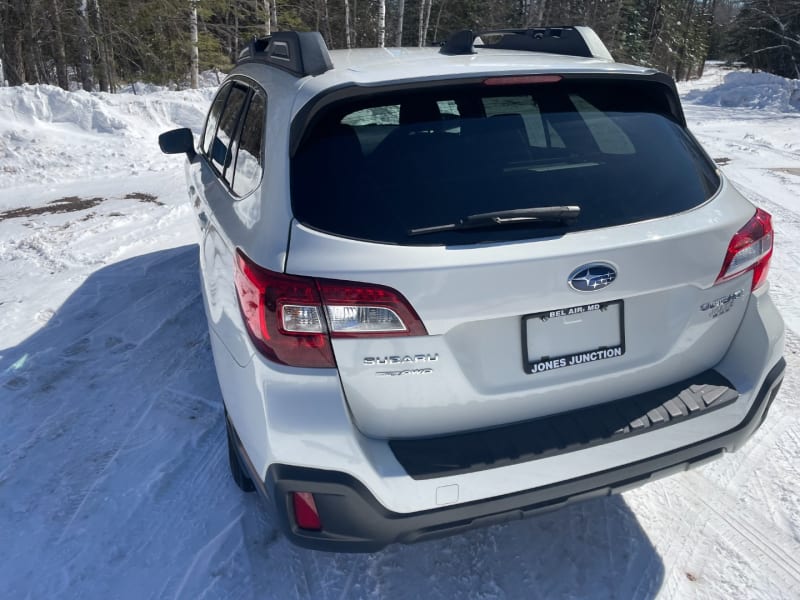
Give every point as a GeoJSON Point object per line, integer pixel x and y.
{"type": "Point", "coordinates": [558, 238]}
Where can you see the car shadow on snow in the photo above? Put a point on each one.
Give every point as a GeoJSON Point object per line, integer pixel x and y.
{"type": "Point", "coordinates": [114, 478]}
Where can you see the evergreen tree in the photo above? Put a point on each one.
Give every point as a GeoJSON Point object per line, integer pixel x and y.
{"type": "Point", "coordinates": [88, 43]}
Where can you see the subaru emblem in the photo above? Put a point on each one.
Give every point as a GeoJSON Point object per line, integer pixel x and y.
{"type": "Point", "coordinates": [592, 277]}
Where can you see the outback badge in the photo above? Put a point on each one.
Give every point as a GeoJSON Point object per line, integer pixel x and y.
{"type": "Point", "coordinates": [592, 277]}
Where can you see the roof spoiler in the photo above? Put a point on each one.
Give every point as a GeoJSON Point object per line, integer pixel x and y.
{"type": "Point", "coordinates": [569, 40]}
{"type": "Point", "coordinates": [299, 53]}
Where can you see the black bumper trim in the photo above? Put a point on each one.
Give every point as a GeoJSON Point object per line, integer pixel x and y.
{"type": "Point", "coordinates": [428, 458]}
{"type": "Point", "coordinates": [354, 521]}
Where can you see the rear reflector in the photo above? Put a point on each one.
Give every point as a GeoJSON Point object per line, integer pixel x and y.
{"type": "Point", "coordinates": [750, 250]}
{"type": "Point", "coordinates": [290, 319]}
{"type": "Point", "coordinates": [522, 79]}
{"type": "Point", "coordinates": [305, 511]}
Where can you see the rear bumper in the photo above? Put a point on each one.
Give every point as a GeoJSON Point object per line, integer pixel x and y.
{"type": "Point", "coordinates": [354, 521]}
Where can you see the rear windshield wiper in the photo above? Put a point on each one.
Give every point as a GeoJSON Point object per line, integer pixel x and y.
{"type": "Point", "coordinates": [558, 215]}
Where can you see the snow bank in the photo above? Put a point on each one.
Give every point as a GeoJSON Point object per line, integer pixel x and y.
{"type": "Point", "coordinates": [100, 112]}
{"type": "Point", "coordinates": [750, 90]}
{"type": "Point", "coordinates": [50, 135]}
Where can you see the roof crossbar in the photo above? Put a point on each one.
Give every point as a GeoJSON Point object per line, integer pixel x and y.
{"type": "Point", "coordinates": [570, 40]}
{"type": "Point", "coordinates": [299, 53]}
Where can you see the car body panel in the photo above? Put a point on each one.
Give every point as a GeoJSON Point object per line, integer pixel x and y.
{"type": "Point", "coordinates": [472, 300]}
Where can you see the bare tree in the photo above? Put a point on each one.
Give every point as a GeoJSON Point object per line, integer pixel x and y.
{"type": "Point", "coordinates": [424, 20]}
{"type": "Point", "coordinates": [401, 9]}
{"type": "Point", "coordinates": [347, 40]}
{"type": "Point", "coordinates": [104, 78]}
{"type": "Point", "coordinates": [193, 36]}
{"type": "Point", "coordinates": [84, 34]}
{"type": "Point", "coordinates": [381, 23]}
{"type": "Point", "coordinates": [61, 53]}
{"type": "Point", "coordinates": [267, 18]}
{"type": "Point", "coordinates": [420, 22]}
{"type": "Point", "coordinates": [789, 41]}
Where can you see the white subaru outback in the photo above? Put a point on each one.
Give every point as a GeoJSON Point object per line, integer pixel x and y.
{"type": "Point", "coordinates": [453, 287]}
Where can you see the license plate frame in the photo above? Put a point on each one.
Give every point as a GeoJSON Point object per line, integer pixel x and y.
{"type": "Point", "coordinates": [604, 351]}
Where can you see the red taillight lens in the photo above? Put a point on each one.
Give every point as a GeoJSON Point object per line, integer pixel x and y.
{"type": "Point", "coordinates": [291, 319]}
{"type": "Point", "coordinates": [750, 250]}
{"type": "Point", "coordinates": [305, 511]}
{"type": "Point", "coordinates": [283, 315]}
{"type": "Point", "coordinates": [522, 79]}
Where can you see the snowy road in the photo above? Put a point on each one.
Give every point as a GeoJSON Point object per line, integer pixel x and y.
{"type": "Point", "coordinates": [113, 469]}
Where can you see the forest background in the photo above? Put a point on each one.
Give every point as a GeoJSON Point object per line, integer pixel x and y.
{"type": "Point", "coordinates": [105, 44]}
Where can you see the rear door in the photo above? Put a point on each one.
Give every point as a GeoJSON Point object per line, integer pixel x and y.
{"type": "Point", "coordinates": [524, 318]}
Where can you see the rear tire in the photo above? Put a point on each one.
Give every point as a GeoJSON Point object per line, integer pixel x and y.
{"type": "Point", "coordinates": [238, 472]}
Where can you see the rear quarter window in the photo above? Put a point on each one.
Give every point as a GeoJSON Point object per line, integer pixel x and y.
{"type": "Point", "coordinates": [223, 149]}
{"type": "Point", "coordinates": [213, 118]}
{"type": "Point", "coordinates": [248, 158]}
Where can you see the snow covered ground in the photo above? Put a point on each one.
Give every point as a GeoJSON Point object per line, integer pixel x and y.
{"type": "Point", "coordinates": [113, 471]}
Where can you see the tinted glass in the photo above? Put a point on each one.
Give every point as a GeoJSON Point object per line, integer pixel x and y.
{"type": "Point", "coordinates": [248, 157]}
{"type": "Point", "coordinates": [213, 119]}
{"type": "Point", "coordinates": [376, 168]}
{"type": "Point", "coordinates": [222, 152]}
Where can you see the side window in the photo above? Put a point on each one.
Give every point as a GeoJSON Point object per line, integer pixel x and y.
{"type": "Point", "coordinates": [448, 109]}
{"type": "Point", "coordinates": [379, 115]}
{"type": "Point", "coordinates": [248, 158]}
{"type": "Point", "coordinates": [221, 151]}
{"type": "Point", "coordinates": [528, 109]}
{"type": "Point", "coordinates": [213, 119]}
{"type": "Point", "coordinates": [372, 125]}
{"type": "Point", "coordinates": [607, 134]}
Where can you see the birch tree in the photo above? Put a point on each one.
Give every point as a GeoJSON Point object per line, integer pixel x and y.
{"type": "Point", "coordinates": [401, 9]}
{"type": "Point", "coordinates": [347, 40]}
{"type": "Point", "coordinates": [381, 23]}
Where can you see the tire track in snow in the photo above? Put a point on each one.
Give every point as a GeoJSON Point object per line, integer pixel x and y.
{"type": "Point", "coordinates": [688, 529]}
{"type": "Point", "coordinates": [748, 144]}
{"type": "Point", "coordinates": [347, 586]}
{"type": "Point", "coordinates": [683, 532]}
{"type": "Point", "coordinates": [204, 554]}
{"type": "Point", "coordinates": [66, 411]}
{"type": "Point", "coordinates": [97, 474]}
{"type": "Point", "coordinates": [304, 580]}
{"type": "Point", "coordinates": [775, 544]}
{"type": "Point", "coordinates": [99, 471]}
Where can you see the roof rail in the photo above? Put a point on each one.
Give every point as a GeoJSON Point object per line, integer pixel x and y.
{"type": "Point", "coordinates": [570, 40]}
{"type": "Point", "coordinates": [299, 53]}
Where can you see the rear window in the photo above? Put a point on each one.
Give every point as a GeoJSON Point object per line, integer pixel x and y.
{"type": "Point", "coordinates": [378, 168]}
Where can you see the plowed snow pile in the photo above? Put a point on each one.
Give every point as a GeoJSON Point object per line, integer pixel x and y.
{"type": "Point", "coordinates": [114, 480]}
{"type": "Point", "coordinates": [751, 90]}
{"type": "Point", "coordinates": [49, 135]}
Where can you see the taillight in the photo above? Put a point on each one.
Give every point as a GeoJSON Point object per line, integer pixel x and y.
{"type": "Point", "coordinates": [291, 318]}
{"type": "Point", "coordinates": [283, 315]}
{"type": "Point", "coordinates": [305, 511]}
{"type": "Point", "coordinates": [750, 250]}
